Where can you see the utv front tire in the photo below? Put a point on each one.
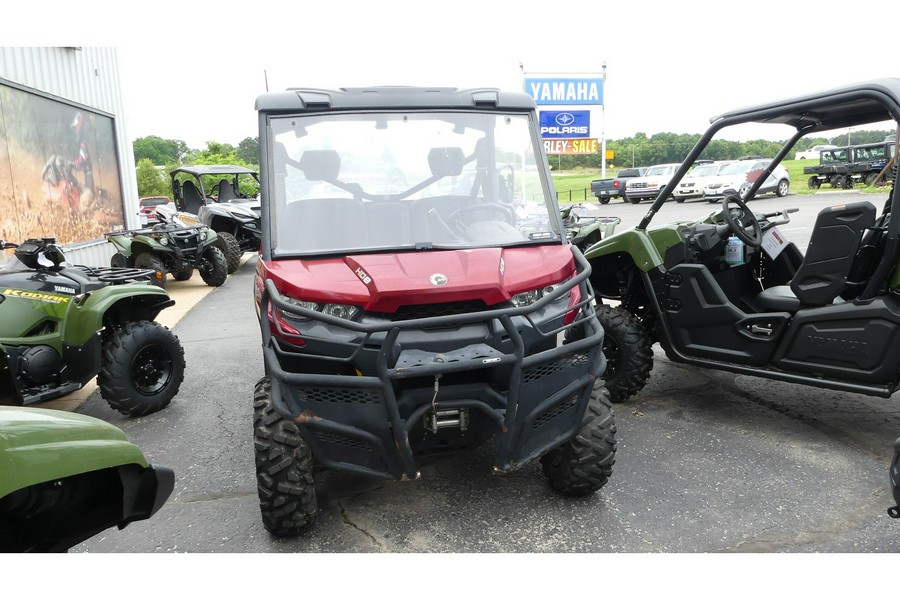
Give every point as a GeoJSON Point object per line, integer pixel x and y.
{"type": "Point", "coordinates": [284, 469]}
{"type": "Point", "coordinates": [213, 267]}
{"type": "Point", "coordinates": [584, 463]}
{"type": "Point", "coordinates": [143, 367]}
{"type": "Point", "coordinates": [230, 247]}
{"type": "Point", "coordinates": [628, 352]}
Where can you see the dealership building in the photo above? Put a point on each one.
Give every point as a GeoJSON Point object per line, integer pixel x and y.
{"type": "Point", "coordinates": [66, 164]}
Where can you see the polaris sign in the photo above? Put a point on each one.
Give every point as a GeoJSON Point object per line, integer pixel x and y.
{"type": "Point", "coordinates": [565, 124]}
{"type": "Point", "coordinates": [562, 91]}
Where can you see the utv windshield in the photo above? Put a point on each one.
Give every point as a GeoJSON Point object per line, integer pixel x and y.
{"type": "Point", "coordinates": [406, 180]}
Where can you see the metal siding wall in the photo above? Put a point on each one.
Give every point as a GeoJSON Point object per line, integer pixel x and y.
{"type": "Point", "coordinates": [89, 77]}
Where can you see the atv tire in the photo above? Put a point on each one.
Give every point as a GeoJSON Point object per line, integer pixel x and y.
{"type": "Point", "coordinates": [213, 267]}
{"type": "Point", "coordinates": [628, 352]}
{"type": "Point", "coordinates": [284, 469]}
{"type": "Point", "coordinates": [118, 260]}
{"type": "Point", "coordinates": [230, 247]}
{"type": "Point", "coordinates": [148, 260]}
{"type": "Point", "coordinates": [584, 463]}
{"type": "Point", "coordinates": [142, 370]}
{"type": "Point", "coordinates": [184, 274]}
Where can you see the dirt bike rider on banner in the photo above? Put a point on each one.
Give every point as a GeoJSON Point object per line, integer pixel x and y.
{"type": "Point", "coordinates": [83, 161]}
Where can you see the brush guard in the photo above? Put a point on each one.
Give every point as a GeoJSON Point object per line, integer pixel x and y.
{"type": "Point", "coordinates": [354, 423]}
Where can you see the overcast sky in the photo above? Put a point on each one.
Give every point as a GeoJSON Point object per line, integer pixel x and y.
{"type": "Point", "coordinates": [192, 72]}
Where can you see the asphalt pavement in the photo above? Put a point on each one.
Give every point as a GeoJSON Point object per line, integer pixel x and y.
{"type": "Point", "coordinates": [707, 462]}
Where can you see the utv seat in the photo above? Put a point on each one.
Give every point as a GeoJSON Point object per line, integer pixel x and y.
{"type": "Point", "coordinates": [822, 276]}
{"type": "Point", "coordinates": [226, 192]}
{"type": "Point", "coordinates": [192, 197]}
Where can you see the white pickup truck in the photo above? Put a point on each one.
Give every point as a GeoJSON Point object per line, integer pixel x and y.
{"type": "Point", "coordinates": [648, 186]}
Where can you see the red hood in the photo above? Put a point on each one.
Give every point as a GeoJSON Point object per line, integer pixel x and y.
{"type": "Point", "coordinates": [383, 282]}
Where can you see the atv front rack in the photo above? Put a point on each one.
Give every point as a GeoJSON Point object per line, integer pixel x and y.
{"type": "Point", "coordinates": [361, 423]}
{"type": "Point", "coordinates": [117, 275]}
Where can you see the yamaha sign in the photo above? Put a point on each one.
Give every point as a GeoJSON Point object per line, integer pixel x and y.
{"type": "Point", "coordinates": [557, 91]}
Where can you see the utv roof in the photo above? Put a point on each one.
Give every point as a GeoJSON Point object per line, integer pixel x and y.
{"type": "Point", "coordinates": [391, 97]}
{"type": "Point", "coordinates": [848, 106]}
{"type": "Point", "coordinates": [213, 170]}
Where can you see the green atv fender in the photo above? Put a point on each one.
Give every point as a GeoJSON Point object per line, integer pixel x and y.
{"type": "Point", "coordinates": [80, 317]}
{"type": "Point", "coordinates": [38, 445]}
{"type": "Point", "coordinates": [122, 303]}
{"type": "Point", "coordinates": [646, 248]}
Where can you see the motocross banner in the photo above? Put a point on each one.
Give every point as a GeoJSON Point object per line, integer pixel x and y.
{"type": "Point", "coordinates": [59, 170]}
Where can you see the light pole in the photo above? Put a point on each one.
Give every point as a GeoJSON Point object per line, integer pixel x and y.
{"type": "Point", "coordinates": [603, 128]}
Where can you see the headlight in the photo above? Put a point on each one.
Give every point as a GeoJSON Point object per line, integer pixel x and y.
{"type": "Point", "coordinates": [341, 311]}
{"type": "Point", "coordinates": [203, 235]}
{"type": "Point", "coordinates": [532, 296]}
{"type": "Point", "coordinates": [163, 240]}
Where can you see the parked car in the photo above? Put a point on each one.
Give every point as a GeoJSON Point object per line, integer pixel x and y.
{"type": "Point", "coordinates": [740, 175]}
{"type": "Point", "coordinates": [812, 153]}
{"type": "Point", "coordinates": [648, 186]}
{"type": "Point", "coordinates": [692, 184]}
{"type": "Point", "coordinates": [606, 189]}
{"type": "Point", "coordinates": [148, 206]}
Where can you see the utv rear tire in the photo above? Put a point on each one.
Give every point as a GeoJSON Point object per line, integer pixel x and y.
{"type": "Point", "coordinates": [142, 370]}
{"type": "Point", "coordinates": [148, 260]}
{"type": "Point", "coordinates": [584, 463]}
{"type": "Point", "coordinates": [284, 469]}
{"type": "Point", "coordinates": [628, 352]}
{"type": "Point", "coordinates": [230, 247]}
{"type": "Point", "coordinates": [213, 267]}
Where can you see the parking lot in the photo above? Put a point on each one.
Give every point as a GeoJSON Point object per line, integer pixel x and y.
{"type": "Point", "coordinates": [707, 462]}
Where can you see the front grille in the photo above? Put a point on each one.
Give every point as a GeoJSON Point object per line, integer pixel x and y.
{"type": "Point", "coordinates": [423, 311]}
{"type": "Point", "coordinates": [556, 411]}
{"type": "Point", "coordinates": [547, 369]}
{"type": "Point", "coordinates": [343, 440]}
{"type": "Point", "coordinates": [338, 396]}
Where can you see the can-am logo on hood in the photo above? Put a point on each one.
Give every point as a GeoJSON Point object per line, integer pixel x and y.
{"type": "Point", "coordinates": [438, 279]}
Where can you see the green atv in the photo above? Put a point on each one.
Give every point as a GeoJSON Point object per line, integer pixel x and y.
{"type": "Point", "coordinates": [178, 244]}
{"type": "Point", "coordinates": [586, 224]}
{"type": "Point", "coordinates": [66, 477]}
{"type": "Point", "coordinates": [61, 326]}
{"type": "Point", "coordinates": [731, 292]}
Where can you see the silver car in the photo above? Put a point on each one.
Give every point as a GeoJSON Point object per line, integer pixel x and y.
{"type": "Point", "coordinates": [741, 175]}
{"type": "Point", "coordinates": [693, 183]}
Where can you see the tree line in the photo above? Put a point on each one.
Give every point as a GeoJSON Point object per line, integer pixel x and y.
{"type": "Point", "coordinates": [155, 157]}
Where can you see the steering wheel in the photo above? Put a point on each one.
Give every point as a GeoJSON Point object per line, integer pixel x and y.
{"type": "Point", "coordinates": [493, 207]}
{"type": "Point", "coordinates": [738, 225]}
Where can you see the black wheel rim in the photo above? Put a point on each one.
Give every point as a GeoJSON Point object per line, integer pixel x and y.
{"type": "Point", "coordinates": [151, 370]}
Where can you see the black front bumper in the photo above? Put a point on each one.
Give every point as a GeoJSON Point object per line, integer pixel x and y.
{"type": "Point", "coordinates": [375, 383]}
